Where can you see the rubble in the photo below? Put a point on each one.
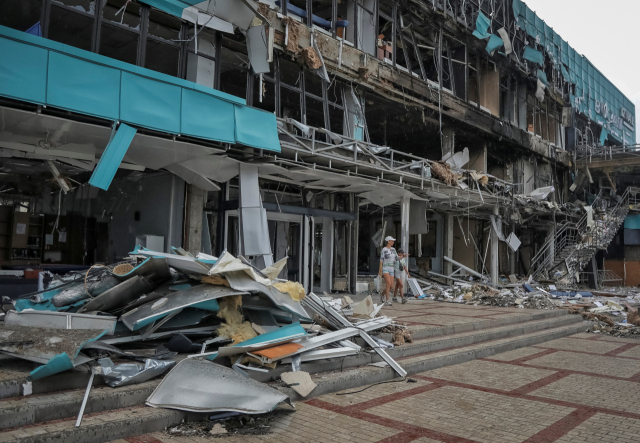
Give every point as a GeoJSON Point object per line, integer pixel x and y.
{"type": "Point", "coordinates": [211, 321]}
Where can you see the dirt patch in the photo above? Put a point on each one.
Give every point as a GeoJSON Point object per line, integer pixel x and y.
{"type": "Point", "coordinates": [240, 425]}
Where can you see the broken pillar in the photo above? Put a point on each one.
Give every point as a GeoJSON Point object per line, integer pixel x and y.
{"type": "Point", "coordinates": [448, 242]}
{"type": "Point", "coordinates": [196, 200]}
{"type": "Point", "coordinates": [494, 251]}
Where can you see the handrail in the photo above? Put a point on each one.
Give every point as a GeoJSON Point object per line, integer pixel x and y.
{"type": "Point", "coordinates": [567, 238]}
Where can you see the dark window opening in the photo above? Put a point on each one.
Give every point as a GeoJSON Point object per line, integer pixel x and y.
{"type": "Point", "coordinates": [70, 28]}
{"type": "Point", "coordinates": [21, 15]}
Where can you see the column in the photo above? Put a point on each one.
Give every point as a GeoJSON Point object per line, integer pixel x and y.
{"type": "Point", "coordinates": [196, 199]}
{"type": "Point", "coordinates": [494, 252]}
{"type": "Point", "coordinates": [404, 233]}
{"type": "Point", "coordinates": [448, 242]}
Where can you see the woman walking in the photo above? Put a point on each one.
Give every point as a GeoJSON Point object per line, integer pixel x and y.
{"type": "Point", "coordinates": [388, 258]}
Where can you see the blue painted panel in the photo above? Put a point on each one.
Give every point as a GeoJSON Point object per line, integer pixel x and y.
{"type": "Point", "coordinates": [494, 43]}
{"type": "Point", "coordinates": [112, 157]}
{"type": "Point", "coordinates": [282, 333]}
{"type": "Point", "coordinates": [150, 103]}
{"type": "Point", "coordinates": [632, 222]}
{"type": "Point", "coordinates": [23, 71]}
{"type": "Point", "coordinates": [82, 86]}
{"type": "Point", "coordinates": [59, 363]}
{"type": "Point", "coordinates": [207, 116]}
{"type": "Point", "coordinates": [256, 128]}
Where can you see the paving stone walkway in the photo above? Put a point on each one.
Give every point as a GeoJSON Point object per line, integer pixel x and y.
{"type": "Point", "coordinates": [580, 389]}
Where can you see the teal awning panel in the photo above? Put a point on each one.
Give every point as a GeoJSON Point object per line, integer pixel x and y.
{"type": "Point", "coordinates": [533, 56]}
{"type": "Point", "coordinates": [112, 157]}
{"type": "Point", "coordinates": [82, 86]}
{"type": "Point", "coordinates": [542, 77]}
{"type": "Point", "coordinates": [482, 24]}
{"type": "Point", "coordinates": [603, 136]}
{"type": "Point", "coordinates": [23, 71]}
{"type": "Point", "coordinates": [494, 43]}
{"type": "Point", "coordinates": [256, 128]}
{"type": "Point", "coordinates": [518, 8]}
{"type": "Point", "coordinates": [149, 103]}
{"type": "Point", "coordinates": [57, 364]}
{"type": "Point", "coordinates": [217, 123]}
{"type": "Point", "coordinates": [564, 71]}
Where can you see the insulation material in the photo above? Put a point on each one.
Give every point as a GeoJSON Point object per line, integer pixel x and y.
{"type": "Point", "coordinates": [540, 91]}
{"type": "Point", "coordinates": [508, 48]}
{"type": "Point", "coordinates": [310, 58]}
{"type": "Point", "coordinates": [294, 289]}
{"type": "Point", "coordinates": [443, 172]}
{"type": "Point", "coordinates": [482, 179]}
{"type": "Point", "coordinates": [274, 270]}
{"type": "Point", "coordinates": [293, 34]}
{"type": "Point", "coordinates": [235, 328]}
{"type": "Point", "coordinates": [216, 280]}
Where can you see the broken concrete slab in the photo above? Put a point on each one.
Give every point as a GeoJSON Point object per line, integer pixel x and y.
{"type": "Point", "coordinates": [300, 382]}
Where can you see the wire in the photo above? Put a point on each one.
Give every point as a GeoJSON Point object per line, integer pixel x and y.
{"type": "Point", "coordinates": [408, 380]}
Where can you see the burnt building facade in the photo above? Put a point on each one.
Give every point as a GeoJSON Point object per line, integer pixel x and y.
{"type": "Point", "coordinates": [306, 129]}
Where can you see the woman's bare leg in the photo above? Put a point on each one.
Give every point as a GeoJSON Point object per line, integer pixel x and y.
{"type": "Point", "coordinates": [389, 282]}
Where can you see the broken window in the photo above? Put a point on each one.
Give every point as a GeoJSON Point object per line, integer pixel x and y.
{"type": "Point", "coordinates": [267, 100]}
{"type": "Point", "coordinates": [234, 67]}
{"type": "Point", "coordinates": [119, 34]}
{"type": "Point", "coordinates": [508, 98]}
{"type": "Point", "coordinates": [336, 108]}
{"type": "Point", "coordinates": [71, 22]}
{"type": "Point", "coordinates": [453, 67]}
{"type": "Point", "coordinates": [472, 83]}
{"type": "Point", "coordinates": [23, 15]}
{"type": "Point", "coordinates": [201, 66]}
{"type": "Point", "coordinates": [290, 75]}
{"type": "Point", "coordinates": [385, 30]}
{"type": "Point", "coordinates": [162, 48]}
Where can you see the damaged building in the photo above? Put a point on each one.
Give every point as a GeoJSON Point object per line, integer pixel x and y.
{"type": "Point", "coordinates": [194, 198]}
{"type": "Point", "coordinates": [309, 130]}
{"type": "Point", "coordinates": [419, 121]}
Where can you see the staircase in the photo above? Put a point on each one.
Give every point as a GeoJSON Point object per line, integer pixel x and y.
{"type": "Point", "coordinates": [46, 411]}
{"type": "Point", "coordinates": [566, 253]}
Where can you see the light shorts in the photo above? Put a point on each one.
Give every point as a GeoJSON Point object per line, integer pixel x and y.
{"type": "Point", "coordinates": [388, 270]}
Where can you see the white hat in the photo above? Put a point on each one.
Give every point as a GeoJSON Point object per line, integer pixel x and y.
{"type": "Point", "coordinates": [389, 238]}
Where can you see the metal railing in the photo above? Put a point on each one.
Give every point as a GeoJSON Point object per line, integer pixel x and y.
{"type": "Point", "coordinates": [575, 243]}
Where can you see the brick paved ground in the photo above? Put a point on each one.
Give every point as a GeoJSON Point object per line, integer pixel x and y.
{"type": "Point", "coordinates": [580, 389]}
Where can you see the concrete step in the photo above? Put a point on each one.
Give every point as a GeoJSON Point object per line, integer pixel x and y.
{"type": "Point", "coordinates": [354, 378]}
{"type": "Point", "coordinates": [13, 372]}
{"type": "Point", "coordinates": [40, 408]}
{"type": "Point", "coordinates": [98, 427]}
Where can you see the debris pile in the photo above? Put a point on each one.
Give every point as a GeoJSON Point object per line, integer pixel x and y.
{"type": "Point", "coordinates": [216, 328]}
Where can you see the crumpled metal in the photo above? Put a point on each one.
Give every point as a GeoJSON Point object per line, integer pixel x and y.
{"type": "Point", "coordinates": [131, 373]}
